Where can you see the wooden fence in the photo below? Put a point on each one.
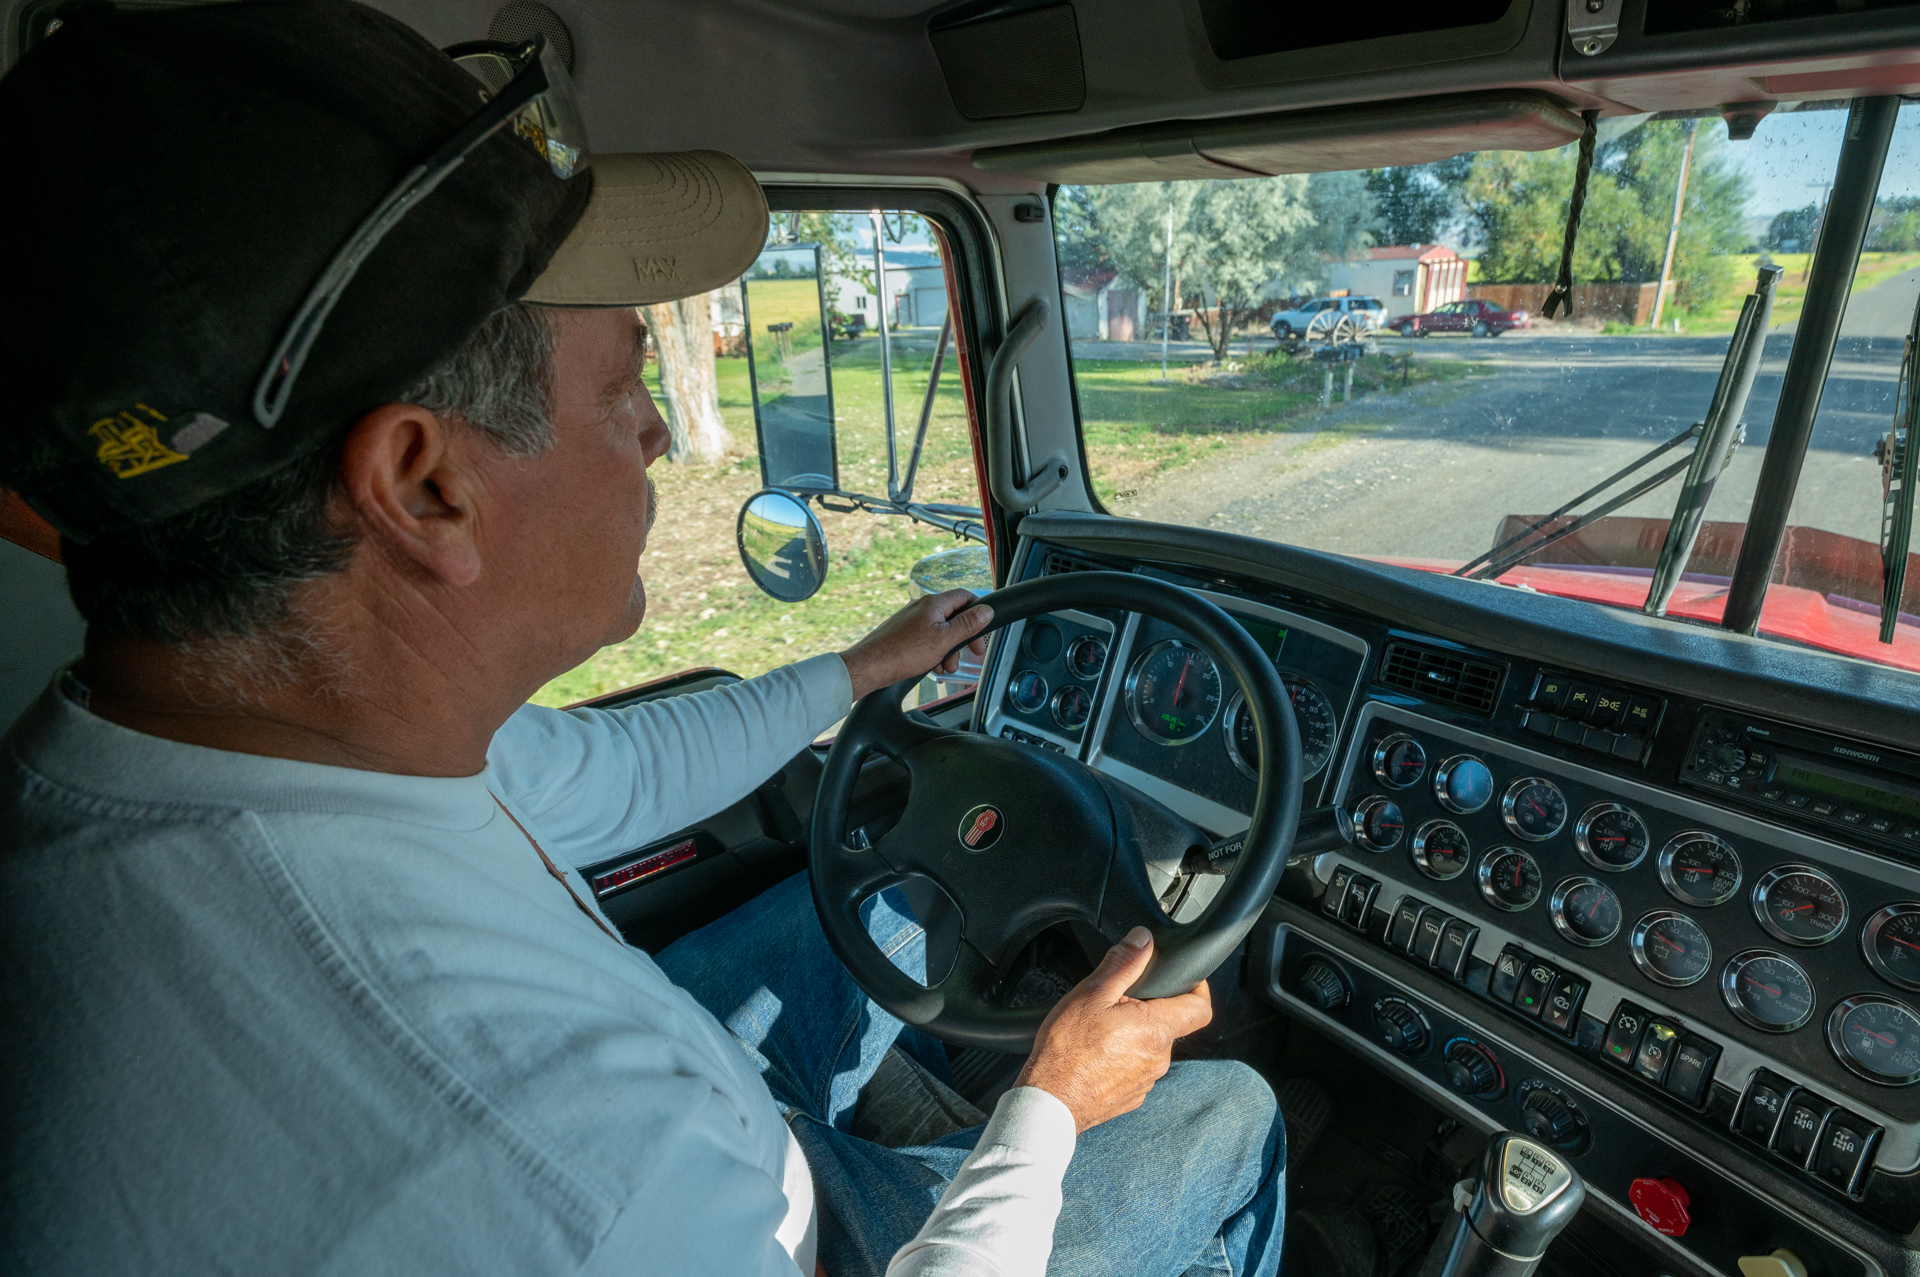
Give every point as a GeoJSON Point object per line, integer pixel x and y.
{"type": "Point", "coordinates": [1626, 303]}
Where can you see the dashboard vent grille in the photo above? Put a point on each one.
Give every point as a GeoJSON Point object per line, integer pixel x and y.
{"type": "Point", "coordinates": [1442, 676]}
{"type": "Point", "coordinates": [1058, 563]}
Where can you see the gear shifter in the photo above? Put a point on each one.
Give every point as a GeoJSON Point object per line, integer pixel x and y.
{"type": "Point", "coordinates": [1527, 1193]}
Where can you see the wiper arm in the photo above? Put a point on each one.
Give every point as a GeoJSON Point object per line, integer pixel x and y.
{"type": "Point", "coordinates": [1505, 555]}
{"type": "Point", "coordinates": [1899, 465]}
{"type": "Point", "coordinates": [1721, 434]}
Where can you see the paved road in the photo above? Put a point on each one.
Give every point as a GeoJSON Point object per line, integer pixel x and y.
{"type": "Point", "coordinates": [1431, 473]}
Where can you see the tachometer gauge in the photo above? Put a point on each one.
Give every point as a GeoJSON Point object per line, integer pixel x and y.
{"type": "Point", "coordinates": [1173, 692]}
{"type": "Point", "coordinates": [1877, 1037]}
{"type": "Point", "coordinates": [1027, 691]}
{"type": "Point", "coordinates": [1072, 706]}
{"type": "Point", "coordinates": [1891, 943]}
{"type": "Point", "coordinates": [1585, 911]}
{"type": "Point", "coordinates": [1399, 761]}
{"type": "Point", "coordinates": [1767, 990]}
{"type": "Point", "coordinates": [1378, 824]}
{"type": "Point", "coordinates": [1670, 948]}
{"type": "Point", "coordinates": [1441, 850]}
{"type": "Point", "coordinates": [1509, 879]}
{"type": "Point", "coordinates": [1312, 714]}
{"type": "Point", "coordinates": [1799, 904]}
{"type": "Point", "coordinates": [1534, 808]}
{"type": "Point", "coordinates": [1611, 837]}
{"type": "Point", "coordinates": [1087, 656]}
{"type": "Point", "coordinates": [1699, 869]}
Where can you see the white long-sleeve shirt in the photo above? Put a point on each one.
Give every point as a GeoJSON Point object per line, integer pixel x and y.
{"type": "Point", "coordinates": [269, 1016]}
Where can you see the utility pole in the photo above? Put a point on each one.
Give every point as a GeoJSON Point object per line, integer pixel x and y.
{"type": "Point", "coordinates": [1673, 230]}
{"type": "Point", "coordinates": [1166, 288]}
{"type": "Point", "coordinates": [1819, 221]}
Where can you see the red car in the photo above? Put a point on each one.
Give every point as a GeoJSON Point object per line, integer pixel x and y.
{"type": "Point", "coordinates": [1481, 318]}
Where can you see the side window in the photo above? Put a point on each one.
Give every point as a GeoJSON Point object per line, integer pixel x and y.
{"type": "Point", "coordinates": [791, 377]}
{"type": "Point", "coordinates": [1403, 283]}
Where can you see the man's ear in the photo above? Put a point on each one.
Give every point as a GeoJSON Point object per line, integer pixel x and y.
{"type": "Point", "coordinates": [411, 482]}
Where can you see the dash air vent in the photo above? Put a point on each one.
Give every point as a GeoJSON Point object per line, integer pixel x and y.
{"type": "Point", "coordinates": [1058, 563]}
{"type": "Point", "coordinates": [1439, 675]}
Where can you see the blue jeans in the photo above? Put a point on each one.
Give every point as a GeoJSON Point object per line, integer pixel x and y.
{"type": "Point", "coordinates": [1190, 1183]}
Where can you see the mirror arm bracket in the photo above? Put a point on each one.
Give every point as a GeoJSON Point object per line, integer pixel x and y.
{"type": "Point", "coordinates": [1012, 494]}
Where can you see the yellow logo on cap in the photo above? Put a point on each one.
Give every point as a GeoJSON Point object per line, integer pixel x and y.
{"type": "Point", "coordinates": [129, 445]}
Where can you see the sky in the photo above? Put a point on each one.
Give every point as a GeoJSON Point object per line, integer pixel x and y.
{"type": "Point", "coordinates": [1790, 158]}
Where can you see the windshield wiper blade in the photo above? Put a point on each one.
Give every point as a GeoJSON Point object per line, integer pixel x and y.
{"type": "Point", "coordinates": [1721, 435]}
{"type": "Point", "coordinates": [1899, 464]}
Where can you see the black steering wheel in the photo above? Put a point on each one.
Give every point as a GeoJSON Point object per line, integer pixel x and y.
{"type": "Point", "coordinates": [1021, 838]}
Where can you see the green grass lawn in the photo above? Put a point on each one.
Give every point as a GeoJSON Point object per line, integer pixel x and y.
{"type": "Point", "coordinates": [1788, 297]}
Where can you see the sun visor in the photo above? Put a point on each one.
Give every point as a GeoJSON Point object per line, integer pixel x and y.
{"type": "Point", "coordinates": [1374, 135]}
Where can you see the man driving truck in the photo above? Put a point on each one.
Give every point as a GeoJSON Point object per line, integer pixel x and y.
{"type": "Point", "coordinates": [324, 361]}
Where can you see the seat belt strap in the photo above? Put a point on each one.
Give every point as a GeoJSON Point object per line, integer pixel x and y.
{"type": "Point", "coordinates": [553, 869]}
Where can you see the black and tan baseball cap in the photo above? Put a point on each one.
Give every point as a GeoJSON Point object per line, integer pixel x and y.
{"type": "Point", "coordinates": [195, 300]}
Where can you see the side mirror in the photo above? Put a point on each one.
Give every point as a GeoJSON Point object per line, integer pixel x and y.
{"type": "Point", "coordinates": [782, 545]}
{"type": "Point", "coordinates": [784, 304]}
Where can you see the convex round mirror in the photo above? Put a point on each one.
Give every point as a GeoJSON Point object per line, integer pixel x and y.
{"type": "Point", "coordinates": [782, 545]}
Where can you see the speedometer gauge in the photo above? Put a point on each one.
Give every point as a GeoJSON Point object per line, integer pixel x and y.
{"type": "Point", "coordinates": [1173, 692]}
{"type": "Point", "coordinates": [1312, 714]}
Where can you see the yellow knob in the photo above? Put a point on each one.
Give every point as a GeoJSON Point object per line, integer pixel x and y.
{"type": "Point", "coordinates": [1781, 1263]}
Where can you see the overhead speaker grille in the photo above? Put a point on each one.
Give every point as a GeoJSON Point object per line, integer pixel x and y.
{"type": "Point", "coordinates": [520, 21]}
{"type": "Point", "coordinates": [1438, 675]}
{"type": "Point", "coordinates": [1006, 64]}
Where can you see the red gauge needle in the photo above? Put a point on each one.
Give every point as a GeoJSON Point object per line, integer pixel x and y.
{"type": "Point", "coordinates": [1883, 1037]}
{"type": "Point", "coordinates": [1538, 810]}
{"type": "Point", "coordinates": [1181, 685]}
{"type": "Point", "coordinates": [1604, 839]}
{"type": "Point", "coordinates": [1516, 873]}
{"type": "Point", "coordinates": [1595, 909]}
{"type": "Point", "coordinates": [1910, 944]}
{"type": "Point", "coordinates": [1677, 948]}
{"type": "Point", "coordinates": [1685, 870]}
{"type": "Point", "coordinates": [1798, 908]}
{"type": "Point", "coordinates": [1756, 984]}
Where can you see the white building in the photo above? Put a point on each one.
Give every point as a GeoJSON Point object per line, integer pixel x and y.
{"type": "Point", "coordinates": [916, 287]}
{"type": "Point", "coordinates": [1409, 279]}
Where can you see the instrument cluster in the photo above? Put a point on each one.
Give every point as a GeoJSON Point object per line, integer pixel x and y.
{"type": "Point", "coordinates": [1663, 891]}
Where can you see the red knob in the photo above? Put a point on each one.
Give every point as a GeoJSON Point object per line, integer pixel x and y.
{"type": "Point", "coordinates": [1662, 1203]}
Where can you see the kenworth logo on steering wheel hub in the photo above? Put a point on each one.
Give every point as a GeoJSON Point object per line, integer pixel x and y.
{"type": "Point", "coordinates": [981, 827]}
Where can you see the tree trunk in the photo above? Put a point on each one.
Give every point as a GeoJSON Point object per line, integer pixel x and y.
{"type": "Point", "coordinates": [683, 336]}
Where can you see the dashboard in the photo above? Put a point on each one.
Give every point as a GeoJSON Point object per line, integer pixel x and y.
{"type": "Point", "coordinates": [1676, 938]}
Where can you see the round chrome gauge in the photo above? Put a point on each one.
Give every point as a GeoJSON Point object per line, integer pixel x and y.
{"type": "Point", "coordinates": [1462, 784]}
{"type": "Point", "coordinates": [1509, 879]}
{"type": "Point", "coordinates": [1700, 869]}
{"type": "Point", "coordinates": [1173, 692]}
{"type": "Point", "coordinates": [1313, 715]}
{"type": "Point", "coordinates": [1891, 944]}
{"type": "Point", "coordinates": [1877, 1037]}
{"type": "Point", "coordinates": [1072, 707]}
{"type": "Point", "coordinates": [1378, 824]}
{"type": "Point", "coordinates": [1087, 656]}
{"type": "Point", "coordinates": [1585, 911]}
{"type": "Point", "coordinates": [1441, 850]}
{"type": "Point", "coordinates": [1399, 761]}
{"type": "Point", "coordinates": [1671, 949]}
{"type": "Point", "coordinates": [1534, 809]}
{"type": "Point", "coordinates": [1611, 837]}
{"type": "Point", "coordinates": [1027, 691]}
{"type": "Point", "coordinates": [1767, 990]}
{"type": "Point", "coordinates": [1799, 904]}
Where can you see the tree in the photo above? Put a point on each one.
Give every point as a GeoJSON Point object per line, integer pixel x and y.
{"type": "Point", "coordinates": [1234, 240]}
{"type": "Point", "coordinates": [1517, 201]}
{"type": "Point", "coordinates": [1418, 203]}
{"type": "Point", "coordinates": [683, 336]}
{"type": "Point", "coordinates": [1792, 231]}
{"type": "Point", "coordinates": [1896, 225]}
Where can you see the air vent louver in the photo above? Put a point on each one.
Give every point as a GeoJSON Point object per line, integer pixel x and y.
{"type": "Point", "coordinates": [1439, 675]}
{"type": "Point", "coordinates": [1058, 563]}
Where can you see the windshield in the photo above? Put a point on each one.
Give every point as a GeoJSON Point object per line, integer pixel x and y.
{"type": "Point", "coordinates": [1438, 418]}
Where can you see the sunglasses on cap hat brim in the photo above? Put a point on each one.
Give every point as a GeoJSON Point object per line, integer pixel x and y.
{"type": "Point", "coordinates": [522, 87]}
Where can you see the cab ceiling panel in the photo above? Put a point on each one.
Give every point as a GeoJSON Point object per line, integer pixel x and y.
{"type": "Point", "coordinates": [1682, 54]}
